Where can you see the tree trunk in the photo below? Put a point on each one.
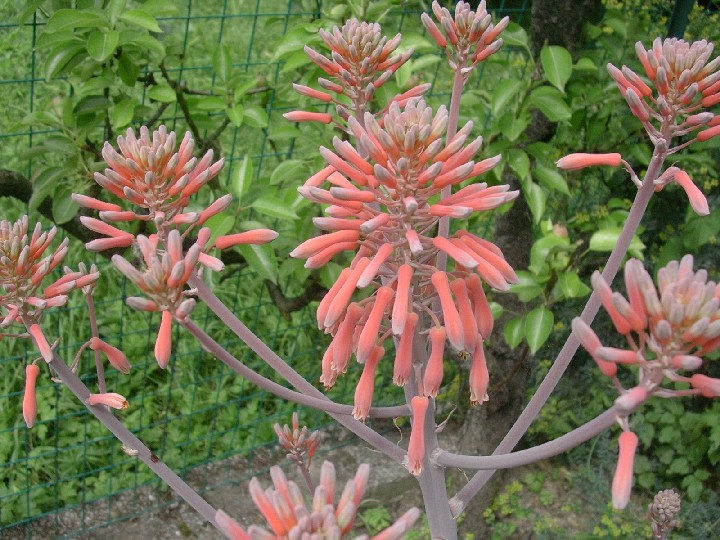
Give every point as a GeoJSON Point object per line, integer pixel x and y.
{"type": "Point", "coordinates": [554, 22]}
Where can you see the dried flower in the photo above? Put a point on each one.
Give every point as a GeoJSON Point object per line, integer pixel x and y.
{"type": "Point", "coordinates": [467, 38]}
{"type": "Point", "coordinates": [381, 204]}
{"type": "Point", "coordinates": [288, 516]}
{"type": "Point", "coordinates": [110, 399]}
{"type": "Point", "coordinates": [663, 510]}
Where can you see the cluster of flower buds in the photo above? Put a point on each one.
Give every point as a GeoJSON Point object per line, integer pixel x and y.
{"type": "Point", "coordinates": [383, 205]}
{"type": "Point", "coordinates": [663, 511]}
{"type": "Point", "coordinates": [289, 518]}
{"type": "Point", "coordinates": [468, 38]}
{"type": "Point", "coordinates": [300, 445]}
{"type": "Point", "coordinates": [684, 83]}
{"type": "Point", "coordinates": [362, 60]}
{"type": "Point", "coordinates": [160, 183]}
{"type": "Point", "coordinates": [25, 262]}
{"type": "Point", "coordinates": [669, 329]}
{"type": "Point", "coordinates": [574, 162]}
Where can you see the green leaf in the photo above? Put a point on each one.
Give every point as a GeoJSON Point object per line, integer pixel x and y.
{"type": "Point", "coordinates": [514, 332]}
{"type": "Point", "coordinates": [273, 207]}
{"type": "Point", "coordinates": [402, 75]}
{"type": "Point", "coordinates": [29, 10]}
{"type": "Point", "coordinates": [557, 65]}
{"type": "Point", "coordinates": [162, 93]}
{"type": "Point", "coordinates": [220, 224]}
{"type": "Point", "coordinates": [236, 114]}
{"type": "Point", "coordinates": [551, 179]}
{"type": "Point", "coordinates": [515, 36]}
{"type": "Point", "coordinates": [115, 8]}
{"type": "Point", "coordinates": [606, 239]}
{"type": "Point", "coordinates": [101, 45]}
{"type": "Point", "coordinates": [292, 169]}
{"type": "Point", "coordinates": [513, 126]}
{"type": "Point", "coordinates": [537, 327]}
{"type": "Point", "coordinates": [222, 63]}
{"type": "Point", "coordinates": [46, 183]}
{"type": "Point", "coordinates": [294, 41]}
{"type": "Point", "coordinates": [503, 93]}
{"type": "Point", "coordinates": [128, 69]}
{"type": "Point", "coordinates": [242, 177]}
{"type": "Point", "coordinates": [527, 286]}
{"type": "Point", "coordinates": [261, 259]}
{"type": "Point", "coordinates": [145, 42]}
{"type": "Point", "coordinates": [571, 286]}
{"type": "Point", "coordinates": [210, 103]}
{"type": "Point", "coordinates": [519, 162]}
{"type": "Point", "coordinates": [284, 133]}
{"type": "Point", "coordinates": [416, 42]}
{"type": "Point", "coordinates": [141, 18]}
{"type": "Point", "coordinates": [550, 102]}
{"type": "Point", "coordinates": [256, 117]}
{"type": "Point", "coordinates": [63, 208]}
{"type": "Point", "coordinates": [585, 64]}
{"type": "Point", "coordinates": [536, 198]}
{"type": "Point", "coordinates": [64, 57]}
{"type": "Point", "coordinates": [122, 113]}
{"type": "Point", "coordinates": [69, 19]}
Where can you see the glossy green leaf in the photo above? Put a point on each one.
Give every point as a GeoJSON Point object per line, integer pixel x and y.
{"type": "Point", "coordinates": [571, 286]}
{"type": "Point", "coordinates": [141, 18]}
{"type": "Point", "coordinates": [101, 45]}
{"type": "Point", "coordinates": [122, 113]}
{"type": "Point", "coordinates": [64, 57]}
{"type": "Point", "coordinates": [29, 9]}
{"type": "Point", "coordinates": [261, 259]}
{"type": "Point", "coordinates": [241, 179]}
{"type": "Point", "coordinates": [46, 183]}
{"type": "Point", "coordinates": [606, 239]}
{"type": "Point", "coordinates": [527, 286]}
{"type": "Point", "coordinates": [222, 63]}
{"type": "Point", "coordinates": [162, 93]}
{"type": "Point", "coordinates": [210, 103]}
{"type": "Point", "coordinates": [256, 117]}
{"type": "Point", "coordinates": [557, 65]}
{"type": "Point", "coordinates": [289, 170]}
{"type": "Point", "coordinates": [512, 126]}
{"type": "Point", "coordinates": [236, 114]}
{"type": "Point", "coordinates": [273, 207]}
{"type": "Point", "coordinates": [515, 36]}
{"type": "Point", "coordinates": [63, 207]}
{"type": "Point", "coordinates": [145, 42]}
{"type": "Point", "coordinates": [519, 162]}
{"type": "Point", "coordinates": [69, 19]}
{"type": "Point", "coordinates": [551, 179]}
{"type": "Point", "coordinates": [514, 332]}
{"type": "Point", "coordinates": [585, 64]}
{"type": "Point", "coordinates": [128, 70]}
{"type": "Point", "coordinates": [550, 102]}
{"type": "Point", "coordinates": [537, 328]}
{"type": "Point", "coordinates": [536, 198]}
{"type": "Point", "coordinates": [503, 93]}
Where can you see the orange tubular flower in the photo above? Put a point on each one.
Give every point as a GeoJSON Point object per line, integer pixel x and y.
{"type": "Point", "coordinates": [622, 481]}
{"type": "Point", "coordinates": [29, 399]}
{"type": "Point", "coordinates": [416, 445]}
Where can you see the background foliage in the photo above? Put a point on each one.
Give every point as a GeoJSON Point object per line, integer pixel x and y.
{"type": "Point", "coordinates": [75, 74]}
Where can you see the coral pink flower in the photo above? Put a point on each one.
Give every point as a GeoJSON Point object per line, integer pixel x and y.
{"type": "Point", "coordinates": [403, 354]}
{"type": "Point", "coordinates": [416, 445]}
{"type": "Point", "coordinates": [29, 399]}
{"type": "Point", "coordinates": [631, 399]}
{"type": "Point", "coordinates": [115, 356]}
{"type": "Point", "coordinates": [622, 481]}
{"type": "Point", "coordinates": [434, 369]}
{"type": "Point", "coordinates": [300, 445]}
{"type": "Point", "coordinates": [41, 342]}
{"type": "Point", "coordinates": [229, 527]}
{"type": "Point", "coordinates": [366, 385]}
{"type": "Point", "coordinates": [163, 344]}
{"type": "Point", "coordinates": [116, 401]}
{"type": "Point", "coordinates": [697, 199]}
{"type": "Point", "coordinates": [257, 236]}
{"type": "Point", "coordinates": [708, 386]}
{"type": "Point", "coordinates": [573, 162]}
{"type": "Point", "coordinates": [479, 376]}
{"type": "Point", "coordinates": [305, 116]}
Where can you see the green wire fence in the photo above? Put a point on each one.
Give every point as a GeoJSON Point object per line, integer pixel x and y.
{"type": "Point", "coordinates": [66, 476]}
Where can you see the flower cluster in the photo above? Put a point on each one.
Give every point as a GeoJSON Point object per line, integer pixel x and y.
{"type": "Point", "coordinates": [383, 204]}
{"type": "Point", "coordinates": [300, 445]}
{"type": "Point", "coordinates": [468, 38]}
{"type": "Point", "coordinates": [25, 262]}
{"type": "Point", "coordinates": [288, 516]}
{"type": "Point", "coordinates": [159, 182]}
{"type": "Point", "coordinates": [663, 511]}
{"type": "Point", "coordinates": [362, 60]}
{"type": "Point", "coordinates": [668, 329]}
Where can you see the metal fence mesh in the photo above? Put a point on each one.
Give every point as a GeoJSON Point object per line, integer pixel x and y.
{"type": "Point", "coordinates": [197, 413]}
